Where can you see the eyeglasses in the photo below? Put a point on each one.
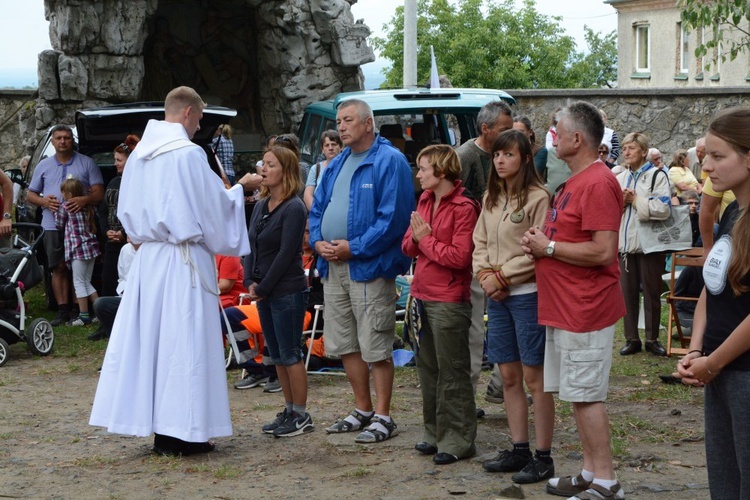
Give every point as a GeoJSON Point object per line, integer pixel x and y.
{"type": "Point", "coordinates": [603, 152]}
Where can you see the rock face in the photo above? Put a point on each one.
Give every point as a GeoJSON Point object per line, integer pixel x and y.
{"type": "Point", "coordinates": [267, 59]}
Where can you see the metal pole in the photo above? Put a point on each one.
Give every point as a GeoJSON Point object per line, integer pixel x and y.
{"type": "Point", "coordinates": [410, 44]}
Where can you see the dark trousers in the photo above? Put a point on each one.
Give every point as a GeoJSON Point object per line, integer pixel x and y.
{"type": "Point", "coordinates": [444, 367]}
{"type": "Point", "coordinates": [109, 268]}
{"type": "Point", "coordinates": [636, 271]}
{"type": "Point", "coordinates": [105, 308]}
{"type": "Point", "coordinates": [727, 439]}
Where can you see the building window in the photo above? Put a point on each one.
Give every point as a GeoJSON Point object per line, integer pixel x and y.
{"type": "Point", "coordinates": [642, 49]}
{"type": "Point", "coordinates": [684, 49]}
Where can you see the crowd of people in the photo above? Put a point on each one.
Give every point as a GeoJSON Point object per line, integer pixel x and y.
{"type": "Point", "coordinates": [544, 239]}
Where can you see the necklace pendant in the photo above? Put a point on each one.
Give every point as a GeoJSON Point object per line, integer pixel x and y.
{"type": "Point", "coordinates": [517, 216]}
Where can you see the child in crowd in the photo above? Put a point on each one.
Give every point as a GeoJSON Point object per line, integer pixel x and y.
{"type": "Point", "coordinates": [81, 246]}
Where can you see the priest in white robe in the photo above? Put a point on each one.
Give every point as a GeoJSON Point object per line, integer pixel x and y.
{"type": "Point", "coordinates": [163, 371]}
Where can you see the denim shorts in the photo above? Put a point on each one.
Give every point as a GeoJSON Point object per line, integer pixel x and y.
{"type": "Point", "coordinates": [513, 333]}
{"type": "Point", "coordinates": [282, 319]}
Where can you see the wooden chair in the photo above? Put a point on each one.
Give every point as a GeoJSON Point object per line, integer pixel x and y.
{"type": "Point", "coordinates": [692, 257]}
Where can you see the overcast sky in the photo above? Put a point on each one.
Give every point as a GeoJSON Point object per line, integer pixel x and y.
{"type": "Point", "coordinates": [24, 32]}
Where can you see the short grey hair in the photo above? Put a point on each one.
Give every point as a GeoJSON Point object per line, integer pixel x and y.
{"type": "Point", "coordinates": [586, 119]}
{"type": "Point", "coordinates": [364, 111]}
{"type": "Point", "coordinates": [490, 113]}
{"type": "Point", "coordinates": [652, 152]}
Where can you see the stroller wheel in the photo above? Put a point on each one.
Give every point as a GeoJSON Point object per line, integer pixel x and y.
{"type": "Point", "coordinates": [40, 337]}
{"type": "Point", "coordinates": [4, 352]}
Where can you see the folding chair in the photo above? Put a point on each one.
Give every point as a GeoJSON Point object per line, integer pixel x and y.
{"type": "Point", "coordinates": [311, 333]}
{"type": "Point", "coordinates": [692, 257]}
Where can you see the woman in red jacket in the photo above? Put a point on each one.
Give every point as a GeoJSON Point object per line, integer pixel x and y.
{"type": "Point", "coordinates": [440, 235]}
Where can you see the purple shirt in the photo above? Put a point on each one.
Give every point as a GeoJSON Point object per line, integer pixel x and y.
{"type": "Point", "coordinates": [49, 175]}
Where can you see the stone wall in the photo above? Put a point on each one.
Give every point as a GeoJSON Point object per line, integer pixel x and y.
{"type": "Point", "coordinates": [671, 118]}
{"type": "Point", "coordinates": [16, 123]}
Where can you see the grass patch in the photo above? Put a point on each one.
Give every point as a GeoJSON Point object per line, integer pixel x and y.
{"type": "Point", "coordinates": [357, 472]}
{"type": "Point", "coordinates": [94, 461]}
{"type": "Point", "coordinates": [226, 472]}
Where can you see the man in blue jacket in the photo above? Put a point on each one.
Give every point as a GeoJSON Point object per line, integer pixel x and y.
{"type": "Point", "coordinates": [359, 215]}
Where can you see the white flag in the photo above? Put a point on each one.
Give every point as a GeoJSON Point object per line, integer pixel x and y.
{"type": "Point", "coordinates": [434, 78]}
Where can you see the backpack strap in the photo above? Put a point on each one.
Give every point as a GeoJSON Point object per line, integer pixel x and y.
{"type": "Point", "coordinates": [653, 181]}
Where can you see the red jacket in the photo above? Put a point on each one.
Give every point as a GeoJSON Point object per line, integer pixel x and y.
{"type": "Point", "coordinates": [443, 272]}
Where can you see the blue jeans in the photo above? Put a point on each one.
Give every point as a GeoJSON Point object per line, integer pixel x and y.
{"type": "Point", "coordinates": [282, 320]}
{"type": "Point", "coordinates": [513, 332]}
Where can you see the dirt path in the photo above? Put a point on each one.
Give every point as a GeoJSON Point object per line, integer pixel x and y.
{"type": "Point", "coordinates": [47, 449]}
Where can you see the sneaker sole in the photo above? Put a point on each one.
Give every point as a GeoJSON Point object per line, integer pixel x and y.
{"type": "Point", "coordinates": [250, 386]}
{"type": "Point", "coordinates": [531, 480]}
{"type": "Point", "coordinates": [304, 430]}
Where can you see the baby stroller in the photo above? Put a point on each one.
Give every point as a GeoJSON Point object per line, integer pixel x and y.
{"type": "Point", "coordinates": [19, 271]}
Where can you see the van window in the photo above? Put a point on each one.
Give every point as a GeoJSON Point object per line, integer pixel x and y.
{"type": "Point", "coordinates": [312, 127]}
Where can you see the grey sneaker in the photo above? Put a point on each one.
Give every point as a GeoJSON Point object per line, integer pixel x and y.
{"type": "Point", "coordinates": [252, 380]}
{"type": "Point", "coordinates": [280, 418]}
{"type": "Point", "coordinates": [79, 321]}
{"type": "Point", "coordinates": [272, 386]}
{"type": "Point", "coordinates": [494, 395]}
{"type": "Point", "coordinates": [294, 425]}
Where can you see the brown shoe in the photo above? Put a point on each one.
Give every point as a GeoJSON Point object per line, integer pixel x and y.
{"type": "Point", "coordinates": [599, 492]}
{"type": "Point", "coordinates": [565, 486]}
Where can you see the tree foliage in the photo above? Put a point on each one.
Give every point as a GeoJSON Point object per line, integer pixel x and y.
{"type": "Point", "coordinates": [728, 21]}
{"type": "Point", "coordinates": [489, 44]}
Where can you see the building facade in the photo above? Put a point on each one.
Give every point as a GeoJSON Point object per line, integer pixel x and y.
{"type": "Point", "coordinates": [656, 51]}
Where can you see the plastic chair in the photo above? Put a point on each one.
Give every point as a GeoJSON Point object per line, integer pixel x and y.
{"type": "Point", "coordinates": [692, 257]}
{"type": "Point", "coordinates": [312, 334]}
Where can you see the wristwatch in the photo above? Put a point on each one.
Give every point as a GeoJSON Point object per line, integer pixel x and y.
{"type": "Point", "coordinates": [7, 216]}
{"type": "Point", "coordinates": [549, 250]}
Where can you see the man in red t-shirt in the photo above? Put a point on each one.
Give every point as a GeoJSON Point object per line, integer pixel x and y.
{"type": "Point", "coordinates": [580, 299]}
{"type": "Point", "coordinates": [230, 274]}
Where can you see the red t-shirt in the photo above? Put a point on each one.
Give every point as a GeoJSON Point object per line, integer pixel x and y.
{"type": "Point", "coordinates": [575, 298]}
{"type": "Point", "coordinates": [230, 268]}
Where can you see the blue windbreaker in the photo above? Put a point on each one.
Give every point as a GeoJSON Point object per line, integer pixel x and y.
{"type": "Point", "coordinates": [381, 199]}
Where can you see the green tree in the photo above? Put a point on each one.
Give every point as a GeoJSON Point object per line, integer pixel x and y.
{"type": "Point", "coordinates": [483, 43]}
{"type": "Point", "coordinates": [598, 67]}
{"type": "Point", "coordinates": [722, 17]}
